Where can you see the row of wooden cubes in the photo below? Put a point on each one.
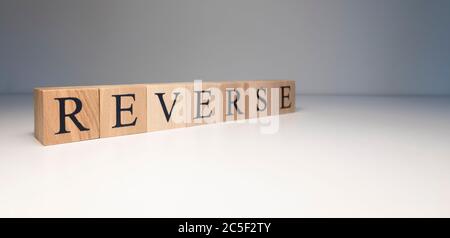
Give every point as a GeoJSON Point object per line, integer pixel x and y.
{"type": "Point", "coordinates": [69, 114]}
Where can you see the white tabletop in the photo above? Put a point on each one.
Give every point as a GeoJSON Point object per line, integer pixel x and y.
{"type": "Point", "coordinates": [334, 157]}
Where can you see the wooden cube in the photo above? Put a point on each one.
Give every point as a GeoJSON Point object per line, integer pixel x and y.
{"type": "Point", "coordinates": [207, 106]}
{"type": "Point", "coordinates": [286, 96]}
{"type": "Point", "coordinates": [234, 100]}
{"type": "Point", "coordinates": [270, 97]}
{"type": "Point", "coordinates": [123, 110]}
{"type": "Point", "coordinates": [66, 114]}
{"type": "Point", "coordinates": [258, 101]}
{"type": "Point", "coordinates": [168, 105]}
{"type": "Point", "coordinates": [215, 102]}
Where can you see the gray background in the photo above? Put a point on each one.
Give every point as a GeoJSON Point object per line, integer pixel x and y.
{"type": "Point", "coordinates": [373, 47]}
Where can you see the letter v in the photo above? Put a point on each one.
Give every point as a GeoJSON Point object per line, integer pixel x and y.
{"type": "Point", "coordinates": [163, 104]}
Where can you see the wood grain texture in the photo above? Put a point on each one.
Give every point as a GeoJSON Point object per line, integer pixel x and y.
{"type": "Point", "coordinates": [286, 96]}
{"type": "Point", "coordinates": [38, 115]}
{"type": "Point", "coordinates": [234, 100]}
{"type": "Point", "coordinates": [206, 103]}
{"type": "Point", "coordinates": [280, 97]}
{"type": "Point", "coordinates": [168, 105]}
{"type": "Point", "coordinates": [257, 102]}
{"type": "Point", "coordinates": [47, 103]}
{"type": "Point", "coordinates": [216, 102]}
{"type": "Point", "coordinates": [123, 110]}
{"type": "Point", "coordinates": [92, 111]}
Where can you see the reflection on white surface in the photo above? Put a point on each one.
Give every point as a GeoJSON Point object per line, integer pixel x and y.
{"type": "Point", "coordinates": [334, 157]}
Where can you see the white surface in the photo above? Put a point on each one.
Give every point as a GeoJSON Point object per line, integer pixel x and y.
{"type": "Point", "coordinates": [334, 157]}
